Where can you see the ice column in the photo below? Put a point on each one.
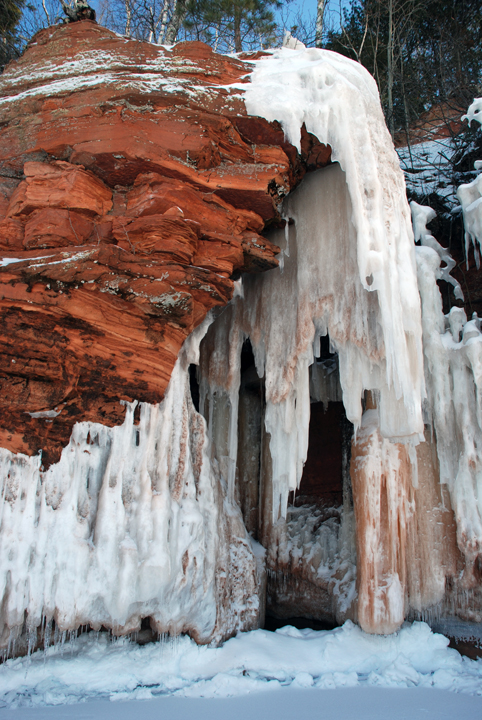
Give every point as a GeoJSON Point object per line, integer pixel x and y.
{"type": "Point", "coordinates": [381, 477]}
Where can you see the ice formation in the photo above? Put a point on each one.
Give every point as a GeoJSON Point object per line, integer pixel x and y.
{"type": "Point", "coordinates": [453, 363]}
{"type": "Point", "coordinates": [338, 102]}
{"type": "Point", "coordinates": [321, 272]}
{"type": "Point", "coordinates": [453, 357]}
{"type": "Point", "coordinates": [132, 522]}
{"type": "Point", "coordinates": [153, 519]}
{"type": "Point", "coordinates": [348, 271]}
{"type": "Point", "coordinates": [421, 215]}
{"type": "Point", "coordinates": [470, 195]}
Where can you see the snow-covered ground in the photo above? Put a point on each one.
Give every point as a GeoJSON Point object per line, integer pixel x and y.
{"type": "Point", "coordinates": [278, 671]}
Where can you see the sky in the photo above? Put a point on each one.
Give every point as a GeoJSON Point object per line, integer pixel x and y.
{"type": "Point", "coordinates": [304, 9]}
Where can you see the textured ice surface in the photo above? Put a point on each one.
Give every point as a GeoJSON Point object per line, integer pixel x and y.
{"type": "Point", "coordinates": [132, 522]}
{"type": "Point", "coordinates": [338, 101]}
{"type": "Point", "coordinates": [360, 287]}
{"type": "Point", "coordinates": [94, 667]}
{"type": "Point", "coordinates": [319, 552]}
{"type": "Point", "coordinates": [285, 312]}
{"type": "Point", "coordinates": [470, 196]}
{"type": "Point", "coordinates": [421, 215]}
{"type": "Point", "coordinates": [453, 370]}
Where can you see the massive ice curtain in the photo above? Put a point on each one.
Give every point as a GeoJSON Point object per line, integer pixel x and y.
{"type": "Point", "coordinates": [338, 101]}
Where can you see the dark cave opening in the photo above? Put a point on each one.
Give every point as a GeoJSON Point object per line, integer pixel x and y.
{"type": "Point", "coordinates": [250, 429]}
{"type": "Point", "coordinates": [272, 623]}
{"type": "Point", "coordinates": [293, 595]}
{"type": "Point", "coordinates": [326, 474]}
{"type": "Point", "coordinates": [325, 352]}
{"type": "Point", "coordinates": [194, 386]}
{"type": "Point", "coordinates": [322, 479]}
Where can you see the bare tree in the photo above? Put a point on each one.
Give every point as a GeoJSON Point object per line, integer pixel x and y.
{"type": "Point", "coordinates": [37, 16]}
{"type": "Point", "coordinates": [376, 33]}
{"type": "Point", "coordinates": [176, 21]}
{"type": "Point", "coordinates": [320, 15]}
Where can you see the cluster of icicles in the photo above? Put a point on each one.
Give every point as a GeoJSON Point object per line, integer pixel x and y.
{"type": "Point", "coordinates": [140, 520]}
{"type": "Point", "coordinates": [470, 195]}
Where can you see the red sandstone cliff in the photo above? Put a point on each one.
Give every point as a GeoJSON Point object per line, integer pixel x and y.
{"type": "Point", "coordinates": [134, 189]}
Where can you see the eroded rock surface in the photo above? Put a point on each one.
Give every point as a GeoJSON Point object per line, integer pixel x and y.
{"type": "Point", "coordinates": [134, 190]}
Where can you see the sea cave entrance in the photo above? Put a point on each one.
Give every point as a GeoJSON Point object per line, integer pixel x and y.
{"type": "Point", "coordinates": [302, 548]}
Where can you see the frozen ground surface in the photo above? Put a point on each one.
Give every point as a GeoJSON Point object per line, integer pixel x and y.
{"type": "Point", "coordinates": [285, 704]}
{"type": "Point", "coordinates": [343, 673]}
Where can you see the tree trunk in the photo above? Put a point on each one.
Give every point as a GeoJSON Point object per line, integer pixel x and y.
{"type": "Point", "coordinates": [320, 11]}
{"type": "Point", "coordinates": [178, 17]}
{"type": "Point", "coordinates": [164, 15]}
{"type": "Point", "coordinates": [238, 45]}
{"type": "Point", "coordinates": [390, 69]}
{"type": "Point", "coordinates": [128, 17]}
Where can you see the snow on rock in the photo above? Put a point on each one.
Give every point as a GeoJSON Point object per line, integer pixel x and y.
{"type": "Point", "coordinates": [92, 666]}
{"type": "Point", "coordinates": [428, 169]}
{"type": "Point", "coordinates": [143, 175]}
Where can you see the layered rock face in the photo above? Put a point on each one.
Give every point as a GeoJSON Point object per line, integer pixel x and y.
{"type": "Point", "coordinates": [133, 192]}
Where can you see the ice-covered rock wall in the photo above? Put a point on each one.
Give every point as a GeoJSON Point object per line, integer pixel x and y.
{"type": "Point", "coordinates": [347, 271]}
{"type": "Point", "coordinates": [150, 519]}
{"type": "Point", "coordinates": [453, 356]}
{"type": "Point", "coordinates": [132, 523]}
{"type": "Point", "coordinates": [283, 314]}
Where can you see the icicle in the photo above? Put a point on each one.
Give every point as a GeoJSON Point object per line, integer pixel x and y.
{"type": "Point", "coordinates": [470, 196]}
{"type": "Point", "coordinates": [453, 368]}
{"type": "Point", "coordinates": [421, 215]}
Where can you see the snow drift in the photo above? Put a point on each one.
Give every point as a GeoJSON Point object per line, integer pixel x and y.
{"type": "Point", "coordinates": [92, 667]}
